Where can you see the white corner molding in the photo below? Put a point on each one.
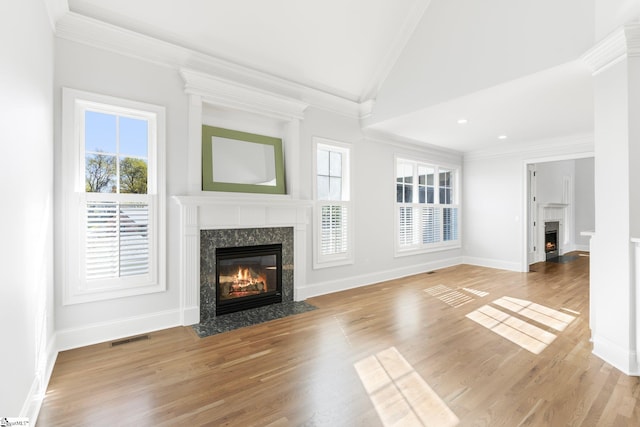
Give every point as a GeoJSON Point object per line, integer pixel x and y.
{"type": "Point", "coordinates": [98, 34]}
{"type": "Point", "coordinates": [620, 44]}
{"type": "Point", "coordinates": [56, 9]}
{"type": "Point", "coordinates": [229, 94]}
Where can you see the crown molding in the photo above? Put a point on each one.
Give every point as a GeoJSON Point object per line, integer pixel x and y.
{"type": "Point", "coordinates": [98, 34]}
{"type": "Point", "coordinates": [230, 94]}
{"type": "Point", "coordinates": [573, 144]}
{"type": "Point", "coordinates": [405, 143]}
{"type": "Point", "coordinates": [621, 44]}
{"type": "Point", "coordinates": [389, 61]}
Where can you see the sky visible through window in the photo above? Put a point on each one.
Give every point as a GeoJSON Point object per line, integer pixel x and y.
{"type": "Point", "coordinates": [116, 151]}
{"type": "Point", "coordinates": [101, 134]}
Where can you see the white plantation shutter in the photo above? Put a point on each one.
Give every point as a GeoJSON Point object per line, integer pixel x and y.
{"type": "Point", "coordinates": [430, 225]}
{"type": "Point", "coordinates": [450, 229]}
{"type": "Point", "coordinates": [101, 245]}
{"type": "Point", "coordinates": [117, 239]}
{"type": "Point", "coordinates": [407, 231]}
{"type": "Point", "coordinates": [334, 231]}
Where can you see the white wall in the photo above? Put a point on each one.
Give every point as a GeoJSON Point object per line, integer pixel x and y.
{"type": "Point", "coordinates": [82, 67]}
{"type": "Point", "coordinates": [585, 211]}
{"type": "Point", "coordinates": [550, 179]}
{"type": "Point", "coordinates": [26, 175]}
{"type": "Point", "coordinates": [494, 193]}
{"type": "Point", "coordinates": [88, 68]}
{"type": "Point", "coordinates": [373, 199]}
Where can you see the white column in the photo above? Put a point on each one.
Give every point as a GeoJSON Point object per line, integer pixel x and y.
{"type": "Point", "coordinates": [615, 63]}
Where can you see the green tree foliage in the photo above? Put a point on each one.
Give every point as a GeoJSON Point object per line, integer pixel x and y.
{"type": "Point", "coordinates": [99, 173]}
{"type": "Point", "coordinates": [133, 176]}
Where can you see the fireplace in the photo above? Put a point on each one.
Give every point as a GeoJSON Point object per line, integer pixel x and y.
{"type": "Point", "coordinates": [248, 277]}
{"type": "Point", "coordinates": [551, 244]}
{"type": "Point", "coordinates": [216, 242]}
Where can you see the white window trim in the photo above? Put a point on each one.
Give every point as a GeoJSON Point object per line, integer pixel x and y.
{"type": "Point", "coordinates": [400, 251]}
{"type": "Point", "coordinates": [75, 291]}
{"type": "Point", "coordinates": [346, 258]}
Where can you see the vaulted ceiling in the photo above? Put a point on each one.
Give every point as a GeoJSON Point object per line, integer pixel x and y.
{"type": "Point", "coordinates": [508, 68]}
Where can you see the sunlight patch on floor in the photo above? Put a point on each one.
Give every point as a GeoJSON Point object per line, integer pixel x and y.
{"type": "Point", "coordinates": [547, 316]}
{"type": "Point", "coordinates": [518, 331]}
{"type": "Point", "coordinates": [455, 298]}
{"type": "Point", "coordinates": [437, 290]}
{"type": "Point", "coordinates": [476, 292]}
{"type": "Point", "coordinates": [399, 394]}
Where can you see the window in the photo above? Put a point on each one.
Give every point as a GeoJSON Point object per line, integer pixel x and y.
{"type": "Point", "coordinates": [114, 197]}
{"type": "Point", "coordinates": [427, 207]}
{"type": "Point", "coordinates": [333, 207]}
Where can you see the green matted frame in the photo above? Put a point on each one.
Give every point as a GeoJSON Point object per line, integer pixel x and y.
{"type": "Point", "coordinates": [208, 184]}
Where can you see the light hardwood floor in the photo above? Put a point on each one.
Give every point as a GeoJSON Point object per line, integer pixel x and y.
{"type": "Point", "coordinates": [465, 346]}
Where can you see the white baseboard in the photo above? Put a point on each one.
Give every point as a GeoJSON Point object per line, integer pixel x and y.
{"type": "Point", "coordinates": [619, 357]}
{"type": "Point", "coordinates": [344, 284]}
{"type": "Point", "coordinates": [493, 263]}
{"type": "Point", "coordinates": [33, 402]}
{"type": "Point", "coordinates": [120, 328]}
{"type": "Point", "coordinates": [583, 248]}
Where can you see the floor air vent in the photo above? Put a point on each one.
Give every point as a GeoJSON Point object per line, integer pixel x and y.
{"type": "Point", "coordinates": [129, 340]}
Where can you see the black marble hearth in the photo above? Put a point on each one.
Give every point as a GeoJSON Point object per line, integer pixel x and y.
{"type": "Point", "coordinates": [254, 316]}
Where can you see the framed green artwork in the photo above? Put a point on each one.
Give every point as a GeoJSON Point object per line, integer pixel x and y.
{"type": "Point", "coordinates": [241, 162]}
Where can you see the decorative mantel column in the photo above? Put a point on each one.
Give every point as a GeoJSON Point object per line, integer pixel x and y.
{"type": "Point", "coordinates": [615, 63]}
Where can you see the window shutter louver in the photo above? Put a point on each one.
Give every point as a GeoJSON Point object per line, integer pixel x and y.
{"type": "Point", "coordinates": [117, 239]}
{"type": "Point", "coordinates": [450, 229]}
{"type": "Point", "coordinates": [430, 225]}
{"type": "Point", "coordinates": [408, 231]}
{"type": "Point", "coordinates": [334, 232]}
{"type": "Point", "coordinates": [134, 239]}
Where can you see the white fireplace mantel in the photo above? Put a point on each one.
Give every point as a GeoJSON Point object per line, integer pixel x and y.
{"type": "Point", "coordinates": [229, 211]}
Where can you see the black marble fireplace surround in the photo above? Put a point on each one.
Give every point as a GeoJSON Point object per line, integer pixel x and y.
{"type": "Point", "coordinates": [222, 238]}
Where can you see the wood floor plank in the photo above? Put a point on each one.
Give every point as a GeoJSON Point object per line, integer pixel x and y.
{"type": "Point", "coordinates": [402, 352]}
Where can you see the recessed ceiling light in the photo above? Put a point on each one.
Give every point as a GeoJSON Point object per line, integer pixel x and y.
{"type": "Point", "coordinates": [502, 137]}
{"type": "Point", "coordinates": [463, 121]}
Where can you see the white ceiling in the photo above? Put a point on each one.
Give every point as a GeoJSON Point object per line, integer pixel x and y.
{"type": "Point", "coordinates": [341, 47]}
{"type": "Point", "coordinates": [547, 105]}
{"type": "Point", "coordinates": [347, 49]}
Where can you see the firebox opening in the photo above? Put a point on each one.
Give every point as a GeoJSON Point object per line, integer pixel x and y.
{"type": "Point", "coordinates": [248, 277]}
{"type": "Point", "coordinates": [551, 245]}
